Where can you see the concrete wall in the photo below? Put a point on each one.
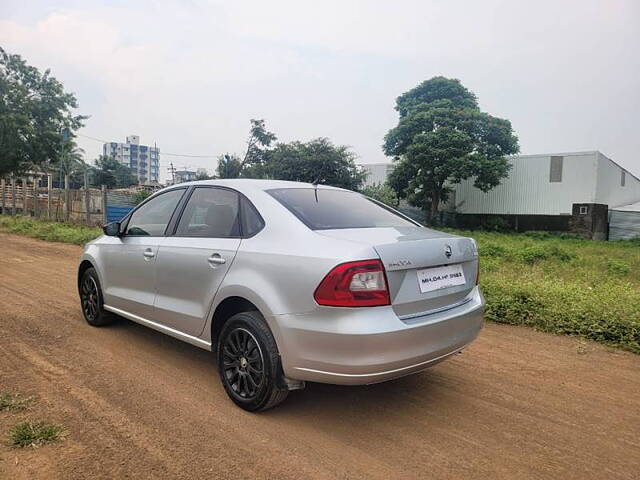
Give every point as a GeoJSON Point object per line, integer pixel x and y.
{"type": "Point", "coordinates": [528, 191]}
{"type": "Point", "coordinates": [609, 190]}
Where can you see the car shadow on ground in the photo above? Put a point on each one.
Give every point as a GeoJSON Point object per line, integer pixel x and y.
{"type": "Point", "coordinates": [355, 403]}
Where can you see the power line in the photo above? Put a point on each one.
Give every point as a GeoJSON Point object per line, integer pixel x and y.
{"type": "Point", "coordinates": [161, 153]}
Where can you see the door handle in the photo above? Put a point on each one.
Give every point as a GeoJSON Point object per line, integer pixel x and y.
{"type": "Point", "coordinates": [148, 253]}
{"type": "Point", "coordinates": [216, 259]}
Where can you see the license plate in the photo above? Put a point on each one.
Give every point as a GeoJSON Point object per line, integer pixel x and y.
{"type": "Point", "coordinates": [436, 278]}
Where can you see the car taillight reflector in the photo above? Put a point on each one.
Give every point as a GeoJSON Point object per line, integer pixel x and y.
{"type": "Point", "coordinates": [354, 284]}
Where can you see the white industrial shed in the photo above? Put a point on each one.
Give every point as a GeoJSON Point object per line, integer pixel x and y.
{"type": "Point", "coordinates": [551, 184]}
{"type": "Point", "coordinates": [624, 222]}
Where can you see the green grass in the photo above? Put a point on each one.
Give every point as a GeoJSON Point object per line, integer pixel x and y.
{"type": "Point", "coordinates": [32, 434]}
{"type": "Point", "coordinates": [13, 402]}
{"type": "Point", "coordinates": [561, 284]}
{"type": "Point", "coordinates": [50, 231]}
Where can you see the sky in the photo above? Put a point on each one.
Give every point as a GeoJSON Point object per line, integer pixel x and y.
{"type": "Point", "coordinates": [190, 75]}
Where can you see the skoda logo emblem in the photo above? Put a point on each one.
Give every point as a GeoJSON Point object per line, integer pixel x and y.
{"type": "Point", "coordinates": [447, 251]}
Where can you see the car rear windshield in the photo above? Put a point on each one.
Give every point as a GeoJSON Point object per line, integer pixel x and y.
{"type": "Point", "coordinates": [323, 209]}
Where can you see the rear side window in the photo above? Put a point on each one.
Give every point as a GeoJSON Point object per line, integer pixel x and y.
{"type": "Point", "coordinates": [323, 209]}
{"type": "Point", "coordinates": [152, 217]}
{"type": "Point", "coordinates": [211, 212]}
{"type": "Point", "coordinates": [252, 222]}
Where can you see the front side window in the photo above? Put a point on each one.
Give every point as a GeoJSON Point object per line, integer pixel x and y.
{"type": "Point", "coordinates": [211, 212]}
{"type": "Point", "coordinates": [152, 218]}
{"type": "Point", "coordinates": [322, 209]}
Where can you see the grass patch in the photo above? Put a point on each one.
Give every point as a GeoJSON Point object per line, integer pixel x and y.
{"type": "Point", "coordinates": [50, 231]}
{"type": "Point", "coordinates": [14, 402]}
{"type": "Point", "coordinates": [563, 284]}
{"type": "Point", "coordinates": [32, 434]}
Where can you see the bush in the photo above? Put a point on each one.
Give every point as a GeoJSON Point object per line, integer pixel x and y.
{"type": "Point", "coordinates": [496, 224]}
{"type": "Point", "coordinates": [536, 253]}
{"type": "Point", "coordinates": [383, 193]}
{"type": "Point", "coordinates": [618, 267]}
{"type": "Point", "coordinates": [492, 250]}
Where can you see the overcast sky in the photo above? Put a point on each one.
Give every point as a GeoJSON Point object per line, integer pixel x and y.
{"type": "Point", "coordinates": [189, 75]}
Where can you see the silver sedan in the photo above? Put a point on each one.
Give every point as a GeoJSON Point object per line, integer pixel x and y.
{"type": "Point", "coordinates": [286, 282]}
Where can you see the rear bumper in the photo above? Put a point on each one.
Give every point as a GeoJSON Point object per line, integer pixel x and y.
{"type": "Point", "coordinates": [352, 346]}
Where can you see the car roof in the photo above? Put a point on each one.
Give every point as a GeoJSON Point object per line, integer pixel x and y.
{"type": "Point", "coordinates": [243, 184]}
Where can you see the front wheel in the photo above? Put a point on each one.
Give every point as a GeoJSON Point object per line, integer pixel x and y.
{"type": "Point", "coordinates": [249, 363]}
{"type": "Point", "coordinates": [91, 300]}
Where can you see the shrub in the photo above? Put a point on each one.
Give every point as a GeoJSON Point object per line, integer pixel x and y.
{"type": "Point", "coordinates": [533, 254]}
{"type": "Point", "coordinates": [492, 250]}
{"type": "Point", "coordinates": [618, 267]}
{"type": "Point", "coordinates": [536, 253]}
{"type": "Point", "coordinates": [496, 224]}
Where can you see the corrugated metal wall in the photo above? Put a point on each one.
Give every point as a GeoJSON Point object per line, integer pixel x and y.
{"type": "Point", "coordinates": [528, 189]}
{"type": "Point", "coordinates": [624, 225]}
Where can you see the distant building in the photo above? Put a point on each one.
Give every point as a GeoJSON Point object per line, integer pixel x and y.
{"type": "Point", "coordinates": [143, 160]}
{"type": "Point", "coordinates": [574, 191]}
{"type": "Point", "coordinates": [376, 172]}
{"type": "Point", "coordinates": [185, 176]}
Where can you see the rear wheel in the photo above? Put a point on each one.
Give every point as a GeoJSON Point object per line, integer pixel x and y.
{"type": "Point", "coordinates": [91, 300]}
{"type": "Point", "coordinates": [249, 363]}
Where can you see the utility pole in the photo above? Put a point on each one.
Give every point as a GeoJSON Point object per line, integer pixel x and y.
{"type": "Point", "coordinates": [172, 171]}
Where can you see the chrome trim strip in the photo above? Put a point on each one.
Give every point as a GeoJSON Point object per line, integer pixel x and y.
{"type": "Point", "coordinates": [388, 372]}
{"type": "Point", "coordinates": [161, 328]}
{"type": "Point", "coordinates": [435, 310]}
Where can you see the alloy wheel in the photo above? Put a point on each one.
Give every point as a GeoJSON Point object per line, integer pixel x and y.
{"type": "Point", "coordinates": [243, 364]}
{"type": "Point", "coordinates": [90, 299]}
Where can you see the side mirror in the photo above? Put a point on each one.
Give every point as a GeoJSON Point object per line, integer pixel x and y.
{"type": "Point", "coordinates": [111, 229]}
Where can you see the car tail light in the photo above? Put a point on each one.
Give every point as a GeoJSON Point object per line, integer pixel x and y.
{"type": "Point", "coordinates": [354, 284]}
{"type": "Point", "coordinates": [478, 273]}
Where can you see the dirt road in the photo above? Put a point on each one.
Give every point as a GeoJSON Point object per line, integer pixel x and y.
{"type": "Point", "coordinates": [137, 404]}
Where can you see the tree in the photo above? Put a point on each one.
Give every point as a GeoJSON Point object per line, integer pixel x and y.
{"type": "Point", "coordinates": [34, 112]}
{"type": "Point", "coordinates": [259, 140]}
{"type": "Point", "coordinates": [381, 192]}
{"type": "Point", "coordinates": [110, 172]}
{"type": "Point", "coordinates": [69, 162]}
{"type": "Point", "coordinates": [229, 166]}
{"type": "Point", "coordinates": [442, 138]}
{"type": "Point", "coordinates": [317, 161]}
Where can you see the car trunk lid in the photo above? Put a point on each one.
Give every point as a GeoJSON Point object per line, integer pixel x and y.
{"type": "Point", "coordinates": [412, 255]}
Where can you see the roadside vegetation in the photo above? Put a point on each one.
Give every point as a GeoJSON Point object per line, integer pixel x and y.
{"type": "Point", "coordinates": [555, 283]}
{"type": "Point", "coordinates": [33, 434]}
{"type": "Point", "coordinates": [50, 231]}
{"type": "Point", "coordinates": [562, 284]}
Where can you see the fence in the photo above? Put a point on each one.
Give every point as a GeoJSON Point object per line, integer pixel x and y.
{"type": "Point", "coordinates": [89, 206]}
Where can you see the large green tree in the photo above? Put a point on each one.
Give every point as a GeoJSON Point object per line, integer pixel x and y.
{"type": "Point", "coordinates": [442, 138]}
{"type": "Point", "coordinates": [318, 161]}
{"type": "Point", "coordinates": [110, 172]}
{"type": "Point", "coordinates": [34, 112]}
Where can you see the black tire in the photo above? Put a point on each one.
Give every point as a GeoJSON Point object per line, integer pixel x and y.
{"type": "Point", "coordinates": [91, 301]}
{"type": "Point", "coordinates": [249, 363]}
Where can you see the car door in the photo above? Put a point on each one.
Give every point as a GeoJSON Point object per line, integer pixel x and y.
{"type": "Point", "coordinates": [192, 262]}
{"type": "Point", "coordinates": [129, 268]}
